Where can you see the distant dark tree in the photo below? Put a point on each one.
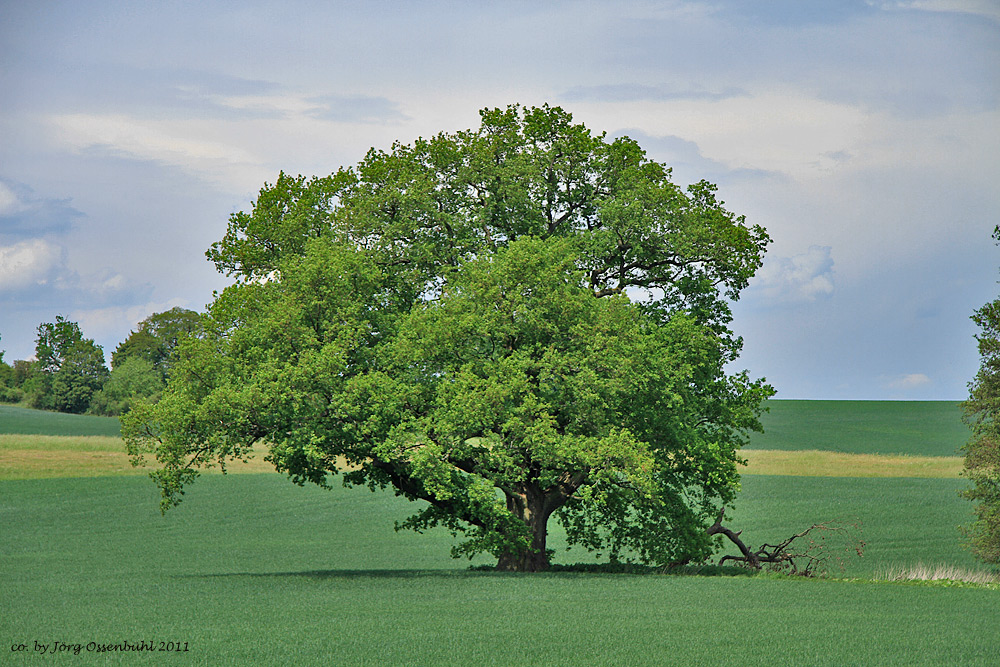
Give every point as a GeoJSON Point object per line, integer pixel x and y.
{"type": "Point", "coordinates": [982, 453]}
{"type": "Point", "coordinates": [157, 336]}
{"type": "Point", "coordinates": [22, 371]}
{"type": "Point", "coordinates": [8, 392]}
{"type": "Point", "coordinates": [6, 372]}
{"type": "Point", "coordinates": [70, 368]}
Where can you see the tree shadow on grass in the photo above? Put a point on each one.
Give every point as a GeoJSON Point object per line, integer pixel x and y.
{"type": "Point", "coordinates": [559, 571]}
{"type": "Point", "coordinates": [335, 574]}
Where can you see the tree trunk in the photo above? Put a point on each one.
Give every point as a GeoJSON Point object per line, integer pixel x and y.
{"type": "Point", "coordinates": [533, 508]}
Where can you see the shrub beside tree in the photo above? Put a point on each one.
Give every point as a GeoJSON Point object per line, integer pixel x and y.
{"type": "Point", "coordinates": [141, 363]}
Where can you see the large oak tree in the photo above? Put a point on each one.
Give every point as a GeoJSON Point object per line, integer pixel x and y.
{"type": "Point", "coordinates": [509, 323]}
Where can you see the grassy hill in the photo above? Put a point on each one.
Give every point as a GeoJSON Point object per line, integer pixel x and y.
{"type": "Point", "coordinates": [915, 428]}
{"type": "Point", "coordinates": [24, 421]}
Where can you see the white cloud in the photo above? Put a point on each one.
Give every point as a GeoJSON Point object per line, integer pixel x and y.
{"type": "Point", "coordinates": [28, 263]}
{"type": "Point", "coordinates": [111, 325]}
{"type": "Point", "coordinates": [799, 278]}
{"type": "Point", "coordinates": [9, 202]}
{"type": "Point", "coordinates": [631, 92]}
{"type": "Point", "coordinates": [280, 105]}
{"type": "Point", "coordinates": [988, 8]}
{"type": "Point", "coordinates": [910, 381]}
{"type": "Point", "coordinates": [38, 268]}
{"type": "Point", "coordinates": [207, 148]}
{"type": "Point", "coordinates": [35, 275]}
{"type": "Point", "coordinates": [115, 283]}
{"type": "Point", "coordinates": [299, 134]}
{"type": "Point", "coordinates": [26, 214]}
{"type": "Point", "coordinates": [357, 109]}
{"type": "Point", "coordinates": [777, 130]}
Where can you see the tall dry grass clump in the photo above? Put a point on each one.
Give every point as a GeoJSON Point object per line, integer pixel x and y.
{"type": "Point", "coordinates": [921, 572]}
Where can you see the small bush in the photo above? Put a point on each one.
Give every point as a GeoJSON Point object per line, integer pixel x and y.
{"type": "Point", "coordinates": [10, 394]}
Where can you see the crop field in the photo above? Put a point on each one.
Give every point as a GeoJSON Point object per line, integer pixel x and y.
{"type": "Point", "coordinates": [19, 420]}
{"type": "Point", "coordinates": [913, 428]}
{"type": "Point", "coordinates": [253, 569]}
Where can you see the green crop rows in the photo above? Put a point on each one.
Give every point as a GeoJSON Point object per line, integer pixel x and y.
{"type": "Point", "coordinates": [251, 569]}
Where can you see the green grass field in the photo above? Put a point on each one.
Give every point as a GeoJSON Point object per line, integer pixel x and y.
{"type": "Point", "coordinates": [915, 428]}
{"type": "Point", "coordinates": [251, 569]}
{"type": "Point", "coordinates": [905, 521]}
{"type": "Point", "coordinates": [19, 420]}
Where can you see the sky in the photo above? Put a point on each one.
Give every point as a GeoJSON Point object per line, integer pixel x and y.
{"type": "Point", "coordinates": [863, 135]}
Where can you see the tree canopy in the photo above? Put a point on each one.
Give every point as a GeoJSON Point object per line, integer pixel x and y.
{"type": "Point", "coordinates": [68, 369]}
{"type": "Point", "coordinates": [982, 453]}
{"type": "Point", "coordinates": [155, 338]}
{"type": "Point", "coordinates": [509, 323]}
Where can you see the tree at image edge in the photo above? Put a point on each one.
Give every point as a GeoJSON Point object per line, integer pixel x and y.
{"type": "Point", "coordinates": [982, 452]}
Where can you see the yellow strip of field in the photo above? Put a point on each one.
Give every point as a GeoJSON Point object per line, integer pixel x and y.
{"type": "Point", "coordinates": [815, 463]}
{"type": "Point", "coordinates": [40, 456]}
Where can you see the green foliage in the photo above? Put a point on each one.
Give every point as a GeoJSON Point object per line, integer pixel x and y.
{"type": "Point", "coordinates": [22, 371]}
{"type": "Point", "coordinates": [16, 380]}
{"type": "Point", "coordinates": [450, 319]}
{"type": "Point", "coordinates": [55, 342]}
{"type": "Point", "coordinates": [157, 337]}
{"type": "Point", "coordinates": [68, 368]}
{"type": "Point", "coordinates": [132, 380]}
{"type": "Point", "coordinates": [982, 453]}
{"type": "Point", "coordinates": [9, 393]}
{"type": "Point", "coordinates": [285, 216]}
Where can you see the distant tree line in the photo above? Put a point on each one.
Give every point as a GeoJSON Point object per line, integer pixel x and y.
{"type": "Point", "coordinates": [69, 374]}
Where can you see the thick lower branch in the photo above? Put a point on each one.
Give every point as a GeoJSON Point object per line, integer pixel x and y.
{"type": "Point", "coordinates": [414, 489]}
{"type": "Point", "coordinates": [748, 556]}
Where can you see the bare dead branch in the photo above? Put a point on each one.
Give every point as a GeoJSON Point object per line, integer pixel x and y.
{"type": "Point", "coordinates": [808, 559]}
